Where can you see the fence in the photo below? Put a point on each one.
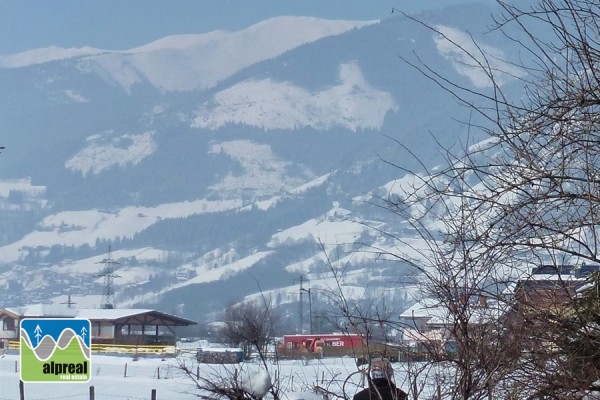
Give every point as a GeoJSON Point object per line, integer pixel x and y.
{"type": "Point", "coordinates": [113, 377]}
{"type": "Point", "coordinates": [92, 392]}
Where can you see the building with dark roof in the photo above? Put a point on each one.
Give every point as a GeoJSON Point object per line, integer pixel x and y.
{"type": "Point", "coordinates": [138, 327]}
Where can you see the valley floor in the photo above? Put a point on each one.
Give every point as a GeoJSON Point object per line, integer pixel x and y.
{"type": "Point", "coordinates": [297, 378]}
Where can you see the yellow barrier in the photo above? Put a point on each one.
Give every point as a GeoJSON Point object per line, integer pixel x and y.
{"type": "Point", "coordinates": [117, 348]}
{"type": "Point", "coordinates": [133, 349]}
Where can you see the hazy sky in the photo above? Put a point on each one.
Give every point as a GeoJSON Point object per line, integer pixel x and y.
{"type": "Point", "coordinates": [123, 24]}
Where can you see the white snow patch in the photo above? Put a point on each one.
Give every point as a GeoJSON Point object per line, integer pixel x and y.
{"type": "Point", "coordinates": [21, 185]}
{"type": "Point", "coordinates": [297, 377]}
{"type": "Point", "coordinates": [75, 96]}
{"type": "Point", "coordinates": [93, 265]}
{"type": "Point", "coordinates": [353, 104]}
{"type": "Point", "coordinates": [332, 229]}
{"type": "Point", "coordinates": [266, 204]}
{"type": "Point", "coordinates": [473, 66]}
{"type": "Point", "coordinates": [309, 185]}
{"type": "Point", "coordinates": [44, 55]}
{"type": "Point", "coordinates": [75, 228]}
{"type": "Point", "coordinates": [264, 173]}
{"type": "Point", "coordinates": [181, 42]}
{"type": "Point", "coordinates": [272, 201]}
{"type": "Point", "coordinates": [483, 145]}
{"type": "Point", "coordinates": [102, 153]}
{"type": "Point", "coordinates": [257, 382]}
{"type": "Point", "coordinates": [205, 273]}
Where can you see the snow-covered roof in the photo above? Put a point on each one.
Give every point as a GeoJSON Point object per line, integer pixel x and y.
{"type": "Point", "coordinates": [476, 314]}
{"type": "Point", "coordinates": [110, 314]}
{"type": "Point", "coordinates": [439, 314]}
{"type": "Point", "coordinates": [43, 310]}
{"type": "Point", "coordinates": [554, 277]}
{"type": "Point", "coordinates": [541, 278]}
{"type": "Point", "coordinates": [145, 316]}
{"type": "Point", "coordinates": [423, 308]}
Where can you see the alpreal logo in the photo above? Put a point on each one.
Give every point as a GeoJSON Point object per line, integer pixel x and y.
{"type": "Point", "coordinates": [55, 350]}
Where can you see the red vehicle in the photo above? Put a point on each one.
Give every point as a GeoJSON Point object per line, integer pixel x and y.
{"type": "Point", "coordinates": [320, 343]}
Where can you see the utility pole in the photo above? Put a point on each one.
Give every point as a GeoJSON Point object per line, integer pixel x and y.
{"type": "Point", "coordinates": [310, 322]}
{"type": "Point", "coordinates": [69, 302]}
{"type": "Point", "coordinates": [301, 293]}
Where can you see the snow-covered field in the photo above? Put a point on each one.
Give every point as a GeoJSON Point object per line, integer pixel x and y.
{"type": "Point", "coordinates": [297, 378]}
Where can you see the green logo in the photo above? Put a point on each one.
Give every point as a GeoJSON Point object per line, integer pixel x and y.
{"type": "Point", "coordinates": [55, 350]}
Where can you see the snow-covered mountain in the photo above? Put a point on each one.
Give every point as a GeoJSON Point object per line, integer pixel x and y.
{"type": "Point", "coordinates": [226, 165]}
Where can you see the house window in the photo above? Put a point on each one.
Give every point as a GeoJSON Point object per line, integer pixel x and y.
{"type": "Point", "coordinates": [8, 324]}
{"type": "Point", "coordinates": [102, 330]}
{"type": "Point", "coordinates": [107, 331]}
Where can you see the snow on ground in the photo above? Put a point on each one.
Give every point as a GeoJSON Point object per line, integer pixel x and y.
{"type": "Point", "coordinates": [265, 204]}
{"type": "Point", "coordinates": [297, 378]}
{"type": "Point", "coordinates": [75, 228]}
{"type": "Point", "coordinates": [332, 229]}
{"type": "Point", "coordinates": [353, 104]}
{"type": "Point", "coordinates": [469, 58]}
{"type": "Point", "coordinates": [107, 379]}
{"type": "Point", "coordinates": [44, 55]}
{"type": "Point", "coordinates": [103, 152]}
{"type": "Point", "coordinates": [206, 272]}
{"type": "Point", "coordinates": [20, 185]}
{"type": "Point", "coordinates": [264, 173]}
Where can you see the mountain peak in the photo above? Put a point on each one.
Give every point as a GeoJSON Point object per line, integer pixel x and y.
{"type": "Point", "coordinates": [193, 61]}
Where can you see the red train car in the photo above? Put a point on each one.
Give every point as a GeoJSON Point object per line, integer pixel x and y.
{"type": "Point", "coordinates": [320, 343]}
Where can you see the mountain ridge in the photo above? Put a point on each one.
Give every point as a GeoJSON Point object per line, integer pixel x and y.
{"type": "Point", "coordinates": [204, 202]}
{"type": "Point", "coordinates": [179, 63]}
